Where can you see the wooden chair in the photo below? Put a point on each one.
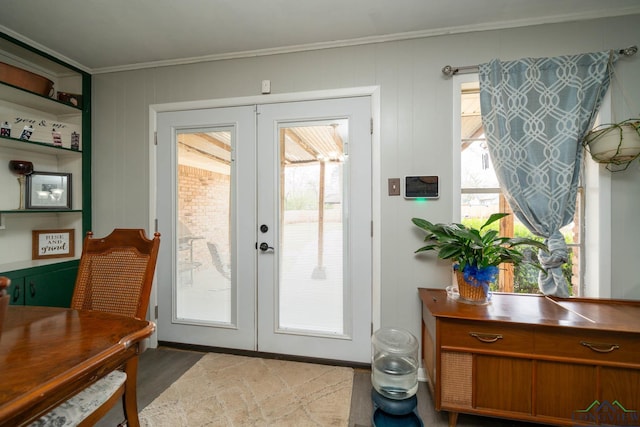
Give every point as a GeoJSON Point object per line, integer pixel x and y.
{"type": "Point", "coordinates": [115, 276]}
{"type": "Point", "coordinates": [4, 299]}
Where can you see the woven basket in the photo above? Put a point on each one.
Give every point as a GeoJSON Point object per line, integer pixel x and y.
{"type": "Point", "coordinates": [469, 291]}
{"type": "Point", "coordinates": [618, 143]}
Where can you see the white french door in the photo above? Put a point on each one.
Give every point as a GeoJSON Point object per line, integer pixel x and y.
{"type": "Point", "coordinates": [206, 192]}
{"type": "Point", "coordinates": [314, 288]}
{"type": "Point", "coordinates": [265, 215]}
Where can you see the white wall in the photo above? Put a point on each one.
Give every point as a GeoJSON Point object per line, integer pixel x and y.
{"type": "Point", "coordinates": [415, 126]}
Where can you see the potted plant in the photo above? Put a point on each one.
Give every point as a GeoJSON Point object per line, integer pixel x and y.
{"type": "Point", "coordinates": [616, 143]}
{"type": "Point", "coordinates": [476, 253]}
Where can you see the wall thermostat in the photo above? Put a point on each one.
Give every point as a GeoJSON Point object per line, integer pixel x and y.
{"type": "Point", "coordinates": [421, 187]}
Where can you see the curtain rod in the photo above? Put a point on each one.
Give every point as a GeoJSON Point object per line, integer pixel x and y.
{"type": "Point", "coordinates": [449, 70]}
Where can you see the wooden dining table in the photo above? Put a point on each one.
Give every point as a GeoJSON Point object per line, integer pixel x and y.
{"type": "Point", "coordinates": [48, 354]}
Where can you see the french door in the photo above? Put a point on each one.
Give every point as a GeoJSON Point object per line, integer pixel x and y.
{"type": "Point", "coordinates": [265, 215]}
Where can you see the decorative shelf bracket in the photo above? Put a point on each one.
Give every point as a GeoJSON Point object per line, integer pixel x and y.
{"type": "Point", "coordinates": [2, 226]}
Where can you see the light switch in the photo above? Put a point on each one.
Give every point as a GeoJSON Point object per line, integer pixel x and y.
{"type": "Point", "coordinates": [266, 86]}
{"type": "Point", "coordinates": [394, 186]}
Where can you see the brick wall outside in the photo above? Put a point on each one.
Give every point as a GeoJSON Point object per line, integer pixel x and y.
{"type": "Point", "coordinates": [203, 211]}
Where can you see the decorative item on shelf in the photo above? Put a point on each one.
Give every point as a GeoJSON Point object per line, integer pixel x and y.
{"type": "Point", "coordinates": [21, 168]}
{"type": "Point", "coordinates": [57, 138]}
{"type": "Point", "coordinates": [75, 141]}
{"type": "Point", "coordinates": [49, 190]}
{"type": "Point", "coordinates": [47, 244]}
{"type": "Point", "coordinates": [5, 129]}
{"type": "Point", "coordinates": [27, 131]}
{"type": "Point", "coordinates": [70, 98]}
{"type": "Point", "coordinates": [476, 253]}
{"type": "Point", "coordinates": [35, 127]}
{"type": "Point", "coordinates": [26, 80]}
{"type": "Point", "coordinates": [616, 144]}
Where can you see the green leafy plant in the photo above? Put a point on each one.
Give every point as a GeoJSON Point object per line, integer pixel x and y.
{"type": "Point", "coordinates": [474, 249]}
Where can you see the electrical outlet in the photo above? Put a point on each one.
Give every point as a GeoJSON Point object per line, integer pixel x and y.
{"type": "Point", "coordinates": [394, 186]}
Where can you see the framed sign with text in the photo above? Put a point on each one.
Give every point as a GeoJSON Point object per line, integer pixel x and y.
{"type": "Point", "coordinates": [52, 243]}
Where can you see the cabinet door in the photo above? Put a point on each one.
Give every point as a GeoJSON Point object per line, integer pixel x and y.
{"type": "Point", "coordinates": [563, 388]}
{"type": "Point", "coordinates": [16, 289]}
{"type": "Point", "coordinates": [503, 383]}
{"type": "Point", "coordinates": [622, 386]}
{"type": "Point", "coordinates": [52, 289]}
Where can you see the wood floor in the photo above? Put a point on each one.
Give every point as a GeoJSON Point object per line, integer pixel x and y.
{"type": "Point", "coordinates": [159, 368]}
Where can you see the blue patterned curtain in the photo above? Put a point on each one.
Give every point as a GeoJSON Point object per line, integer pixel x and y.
{"type": "Point", "coordinates": [535, 112]}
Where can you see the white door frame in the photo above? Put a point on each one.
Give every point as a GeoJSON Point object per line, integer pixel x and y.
{"type": "Point", "coordinates": [373, 91]}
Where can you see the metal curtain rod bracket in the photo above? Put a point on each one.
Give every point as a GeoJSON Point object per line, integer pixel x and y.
{"type": "Point", "coordinates": [449, 70]}
{"type": "Point", "coordinates": [630, 51]}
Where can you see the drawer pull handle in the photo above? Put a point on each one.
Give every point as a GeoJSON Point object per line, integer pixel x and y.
{"type": "Point", "coordinates": [600, 348]}
{"type": "Point", "coordinates": [488, 338]}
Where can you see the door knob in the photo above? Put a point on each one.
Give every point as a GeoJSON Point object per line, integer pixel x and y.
{"type": "Point", "coordinates": [265, 247]}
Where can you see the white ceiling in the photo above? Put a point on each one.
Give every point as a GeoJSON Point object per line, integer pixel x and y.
{"type": "Point", "coordinates": [108, 35]}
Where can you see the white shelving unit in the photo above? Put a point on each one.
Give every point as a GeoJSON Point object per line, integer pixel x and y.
{"type": "Point", "coordinates": [20, 107]}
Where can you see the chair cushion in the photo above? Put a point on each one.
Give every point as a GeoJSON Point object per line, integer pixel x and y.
{"type": "Point", "coordinates": [80, 406]}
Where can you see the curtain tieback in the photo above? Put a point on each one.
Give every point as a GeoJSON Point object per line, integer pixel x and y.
{"type": "Point", "coordinates": [558, 253]}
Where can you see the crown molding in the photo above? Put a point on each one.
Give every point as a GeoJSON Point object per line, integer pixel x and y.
{"type": "Point", "coordinates": [488, 26]}
{"type": "Point", "coordinates": [44, 49]}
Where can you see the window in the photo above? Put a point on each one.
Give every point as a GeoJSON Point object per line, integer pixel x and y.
{"type": "Point", "coordinates": [480, 196]}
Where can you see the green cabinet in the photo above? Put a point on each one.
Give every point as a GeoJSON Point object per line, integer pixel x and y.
{"type": "Point", "coordinates": [50, 285]}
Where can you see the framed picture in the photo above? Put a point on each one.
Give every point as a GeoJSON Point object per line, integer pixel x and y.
{"type": "Point", "coordinates": [48, 190]}
{"type": "Point", "coordinates": [52, 243]}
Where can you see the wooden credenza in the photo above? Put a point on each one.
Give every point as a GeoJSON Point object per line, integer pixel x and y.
{"type": "Point", "coordinates": [555, 361]}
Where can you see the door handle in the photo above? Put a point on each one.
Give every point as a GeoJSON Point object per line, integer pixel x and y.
{"type": "Point", "coordinates": [32, 288]}
{"type": "Point", "coordinates": [16, 293]}
{"type": "Point", "coordinates": [264, 247]}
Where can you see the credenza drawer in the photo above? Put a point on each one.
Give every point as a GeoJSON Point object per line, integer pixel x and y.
{"type": "Point", "coordinates": [600, 346]}
{"type": "Point", "coordinates": [486, 336]}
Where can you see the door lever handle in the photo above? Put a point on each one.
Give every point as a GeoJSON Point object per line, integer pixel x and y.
{"type": "Point", "coordinates": [264, 247]}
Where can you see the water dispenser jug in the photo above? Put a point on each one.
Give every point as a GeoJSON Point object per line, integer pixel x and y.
{"type": "Point", "coordinates": [394, 363]}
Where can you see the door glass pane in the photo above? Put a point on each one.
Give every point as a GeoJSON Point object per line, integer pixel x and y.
{"type": "Point", "coordinates": [204, 290]}
{"type": "Point", "coordinates": [311, 288]}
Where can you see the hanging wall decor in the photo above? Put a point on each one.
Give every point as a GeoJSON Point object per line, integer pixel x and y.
{"type": "Point", "coordinates": [616, 145]}
{"type": "Point", "coordinates": [52, 243]}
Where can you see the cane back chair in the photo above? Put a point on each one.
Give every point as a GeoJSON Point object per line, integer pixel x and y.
{"type": "Point", "coordinates": [115, 276]}
{"type": "Point", "coordinates": [4, 299]}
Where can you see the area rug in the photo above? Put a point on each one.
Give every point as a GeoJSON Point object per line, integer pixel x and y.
{"type": "Point", "coordinates": [228, 390]}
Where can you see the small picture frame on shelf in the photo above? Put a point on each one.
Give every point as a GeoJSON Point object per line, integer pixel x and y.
{"type": "Point", "coordinates": [52, 243]}
{"type": "Point", "coordinates": [70, 98]}
{"type": "Point", "coordinates": [48, 190]}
